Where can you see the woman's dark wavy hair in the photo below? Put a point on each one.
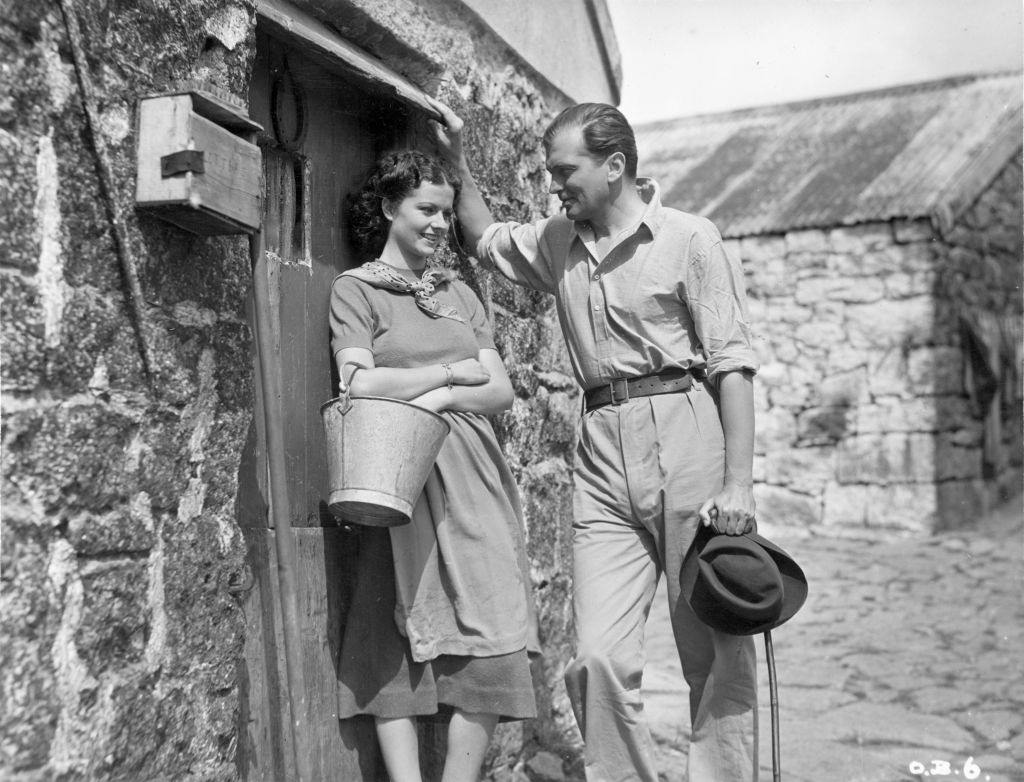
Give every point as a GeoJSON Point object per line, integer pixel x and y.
{"type": "Point", "coordinates": [394, 176]}
{"type": "Point", "coordinates": [605, 131]}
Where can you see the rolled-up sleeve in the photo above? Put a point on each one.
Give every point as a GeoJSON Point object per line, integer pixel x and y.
{"type": "Point", "coordinates": [716, 297]}
{"type": "Point", "coordinates": [516, 251]}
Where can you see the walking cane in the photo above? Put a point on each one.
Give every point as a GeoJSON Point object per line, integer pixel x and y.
{"type": "Point", "coordinates": [713, 565]}
{"type": "Point", "coordinates": [773, 700]}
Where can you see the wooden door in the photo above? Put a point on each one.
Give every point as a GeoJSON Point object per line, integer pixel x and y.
{"type": "Point", "coordinates": [322, 135]}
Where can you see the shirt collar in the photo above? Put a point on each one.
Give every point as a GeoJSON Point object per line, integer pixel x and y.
{"type": "Point", "coordinates": [650, 194]}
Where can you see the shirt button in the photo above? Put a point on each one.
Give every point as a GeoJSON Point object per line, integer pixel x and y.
{"type": "Point", "coordinates": [597, 308]}
{"type": "Point", "coordinates": [597, 277]}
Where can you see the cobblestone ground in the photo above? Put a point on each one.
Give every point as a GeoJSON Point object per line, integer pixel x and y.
{"type": "Point", "coordinates": [906, 662]}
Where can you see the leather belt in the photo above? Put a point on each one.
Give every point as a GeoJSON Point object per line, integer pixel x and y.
{"type": "Point", "coordinates": [622, 389]}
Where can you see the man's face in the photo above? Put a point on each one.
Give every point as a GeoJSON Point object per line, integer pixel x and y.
{"type": "Point", "coordinates": [578, 178]}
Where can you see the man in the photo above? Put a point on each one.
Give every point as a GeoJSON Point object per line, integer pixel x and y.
{"type": "Point", "coordinates": [653, 314]}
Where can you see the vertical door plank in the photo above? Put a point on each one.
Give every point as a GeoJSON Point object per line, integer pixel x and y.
{"type": "Point", "coordinates": [343, 749]}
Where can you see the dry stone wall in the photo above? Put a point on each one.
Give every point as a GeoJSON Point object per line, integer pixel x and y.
{"type": "Point", "coordinates": [120, 551]}
{"type": "Point", "coordinates": [864, 422]}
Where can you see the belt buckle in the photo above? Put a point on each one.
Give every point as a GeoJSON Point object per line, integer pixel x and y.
{"type": "Point", "coordinates": [617, 398]}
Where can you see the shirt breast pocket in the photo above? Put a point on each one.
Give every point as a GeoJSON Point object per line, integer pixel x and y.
{"type": "Point", "coordinates": [657, 305]}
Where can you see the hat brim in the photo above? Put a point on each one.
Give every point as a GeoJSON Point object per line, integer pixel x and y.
{"type": "Point", "coordinates": [711, 611]}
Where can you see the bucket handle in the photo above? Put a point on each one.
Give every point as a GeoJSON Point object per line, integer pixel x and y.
{"type": "Point", "coordinates": [345, 389]}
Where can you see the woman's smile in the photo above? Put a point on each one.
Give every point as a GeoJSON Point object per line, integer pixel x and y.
{"type": "Point", "coordinates": [419, 223]}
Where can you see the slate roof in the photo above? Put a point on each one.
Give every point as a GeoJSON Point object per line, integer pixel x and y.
{"type": "Point", "coordinates": [918, 150]}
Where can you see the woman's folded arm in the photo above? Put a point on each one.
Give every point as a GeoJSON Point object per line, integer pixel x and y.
{"type": "Point", "coordinates": [488, 398]}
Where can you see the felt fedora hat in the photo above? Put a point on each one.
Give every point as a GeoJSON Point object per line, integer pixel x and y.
{"type": "Point", "coordinates": [740, 584]}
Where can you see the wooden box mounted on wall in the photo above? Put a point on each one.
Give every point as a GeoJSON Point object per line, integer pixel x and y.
{"type": "Point", "coordinates": [197, 164]}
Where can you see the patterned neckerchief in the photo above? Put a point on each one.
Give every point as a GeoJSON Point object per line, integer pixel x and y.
{"type": "Point", "coordinates": [383, 276]}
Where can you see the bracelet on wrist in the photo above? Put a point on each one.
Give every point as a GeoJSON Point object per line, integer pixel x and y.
{"type": "Point", "coordinates": [450, 375]}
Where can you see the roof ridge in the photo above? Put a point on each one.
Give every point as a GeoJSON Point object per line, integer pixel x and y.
{"type": "Point", "coordinates": [848, 97]}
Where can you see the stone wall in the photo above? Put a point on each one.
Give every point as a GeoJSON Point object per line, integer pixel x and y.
{"type": "Point", "coordinates": [980, 287]}
{"type": "Point", "coordinates": [864, 419]}
{"type": "Point", "coordinates": [120, 551]}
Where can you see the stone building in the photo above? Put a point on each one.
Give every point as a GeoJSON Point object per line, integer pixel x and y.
{"type": "Point", "coordinates": [141, 628]}
{"type": "Point", "coordinates": [881, 239]}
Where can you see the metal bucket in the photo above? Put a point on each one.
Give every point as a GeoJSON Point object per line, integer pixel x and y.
{"type": "Point", "coordinates": [379, 454]}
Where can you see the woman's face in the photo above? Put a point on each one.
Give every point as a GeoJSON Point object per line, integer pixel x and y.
{"type": "Point", "coordinates": [420, 221]}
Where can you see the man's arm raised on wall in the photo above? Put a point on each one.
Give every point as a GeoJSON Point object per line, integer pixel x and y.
{"type": "Point", "coordinates": [474, 216]}
{"type": "Point", "coordinates": [512, 249]}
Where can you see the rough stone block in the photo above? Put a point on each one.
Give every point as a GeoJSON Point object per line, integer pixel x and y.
{"type": "Point", "coordinates": [955, 461]}
{"type": "Point", "coordinates": [887, 373]}
{"type": "Point", "coordinates": [935, 370]}
{"type": "Point", "coordinates": [820, 334]}
{"type": "Point", "coordinates": [792, 397]}
{"type": "Point", "coordinates": [889, 323]}
{"type": "Point", "coordinates": [883, 260]}
{"type": "Point", "coordinates": [517, 339]}
{"type": "Point", "coordinates": [558, 424]}
{"type": "Point", "coordinates": [856, 239]}
{"type": "Point", "coordinates": [760, 398]}
{"type": "Point", "coordinates": [557, 381]}
{"type": "Point", "coordinates": [804, 470]}
{"type": "Point", "coordinates": [22, 330]}
{"type": "Point", "coordinates": [916, 257]}
{"type": "Point", "coordinates": [809, 241]}
{"type": "Point", "coordinates": [759, 250]}
{"type": "Point", "coordinates": [523, 377]}
{"type": "Point", "coordinates": [902, 285]}
{"type": "Point", "coordinates": [780, 507]}
{"type": "Point", "coordinates": [917, 414]}
{"type": "Point", "coordinates": [784, 349]}
{"type": "Point", "coordinates": [843, 389]}
{"type": "Point", "coordinates": [962, 504]}
{"type": "Point", "coordinates": [774, 428]}
{"type": "Point", "coordinates": [19, 244]}
{"type": "Point", "coordinates": [888, 458]}
{"type": "Point", "coordinates": [850, 510]}
{"type": "Point", "coordinates": [546, 488]}
{"type": "Point", "coordinates": [545, 767]}
{"type": "Point", "coordinates": [823, 425]}
{"type": "Point", "coordinates": [773, 374]}
{"type": "Point", "coordinates": [757, 307]}
{"type": "Point", "coordinates": [117, 532]}
{"type": "Point", "coordinates": [517, 300]}
{"type": "Point", "coordinates": [785, 311]}
{"type": "Point", "coordinates": [31, 707]}
{"type": "Point", "coordinates": [114, 622]}
{"type": "Point", "coordinates": [552, 354]}
{"type": "Point", "coordinates": [813, 289]}
{"type": "Point", "coordinates": [769, 277]}
{"type": "Point", "coordinates": [843, 289]}
{"type": "Point", "coordinates": [72, 456]}
{"type": "Point", "coordinates": [843, 358]}
{"type": "Point", "coordinates": [971, 434]}
{"type": "Point", "coordinates": [516, 431]}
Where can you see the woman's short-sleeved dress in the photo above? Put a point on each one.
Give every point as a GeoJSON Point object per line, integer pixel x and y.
{"type": "Point", "coordinates": [441, 612]}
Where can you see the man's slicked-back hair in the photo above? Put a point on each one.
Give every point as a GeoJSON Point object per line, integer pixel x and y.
{"type": "Point", "coordinates": [605, 131]}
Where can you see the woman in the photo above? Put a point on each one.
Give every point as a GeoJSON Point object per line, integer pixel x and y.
{"type": "Point", "coordinates": [440, 615]}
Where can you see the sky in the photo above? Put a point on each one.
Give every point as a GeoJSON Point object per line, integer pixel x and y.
{"type": "Point", "coordinates": [684, 57]}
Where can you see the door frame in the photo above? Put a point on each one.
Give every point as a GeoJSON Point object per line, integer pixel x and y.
{"type": "Point", "coordinates": [287, 744]}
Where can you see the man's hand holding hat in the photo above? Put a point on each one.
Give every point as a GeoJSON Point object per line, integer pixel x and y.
{"type": "Point", "coordinates": [741, 584]}
{"type": "Point", "coordinates": [731, 511]}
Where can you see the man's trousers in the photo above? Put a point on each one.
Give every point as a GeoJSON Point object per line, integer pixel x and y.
{"type": "Point", "coordinates": [643, 470]}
